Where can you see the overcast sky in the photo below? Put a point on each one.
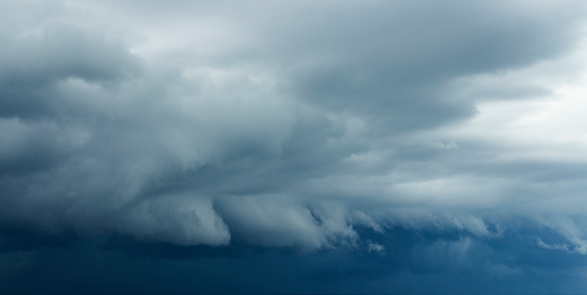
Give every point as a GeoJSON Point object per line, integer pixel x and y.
{"type": "Point", "coordinates": [246, 147]}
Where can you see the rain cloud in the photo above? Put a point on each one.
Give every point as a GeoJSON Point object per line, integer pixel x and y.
{"type": "Point", "coordinates": [293, 147]}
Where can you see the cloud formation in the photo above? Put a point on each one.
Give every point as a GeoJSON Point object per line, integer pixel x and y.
{"type": "Point", "coordinates": [387, 142]}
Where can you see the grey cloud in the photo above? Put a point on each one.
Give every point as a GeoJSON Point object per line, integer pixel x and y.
{"type": "Point", "coordinates": [395, 65]}
{"type": "Point", "coordinates": [250, 131]}
{"type": "Point", "coordinates": [58, 52]}
{"type": "Point", "coordinates": [36, 62]}
{"type": "Point", "coordinates": [272, 222]}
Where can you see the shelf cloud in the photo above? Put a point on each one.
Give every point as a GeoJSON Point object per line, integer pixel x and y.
{"type": "Point", "coordinates": [293, 147]}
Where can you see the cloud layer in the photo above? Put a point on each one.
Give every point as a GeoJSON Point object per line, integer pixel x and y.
{"type": "Point", "coordinates": [405, 141]}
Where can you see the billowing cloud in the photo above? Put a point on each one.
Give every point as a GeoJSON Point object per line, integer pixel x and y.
{"type": "Point", "coordinates": [351, 147]}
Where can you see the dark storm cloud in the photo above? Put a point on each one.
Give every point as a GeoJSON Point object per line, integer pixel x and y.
{"type": "Point", "coordinates": [418, 262]}
{"type": "Point", "coordinates": [395, 65]}
{"type": "Point", "coordinates": [35, 62]}
{"type": "Point", "coordinates": [291, 147]}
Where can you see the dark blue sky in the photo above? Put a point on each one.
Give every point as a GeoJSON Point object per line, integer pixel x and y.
{"type": "Point", "coordinates": [273, 147]}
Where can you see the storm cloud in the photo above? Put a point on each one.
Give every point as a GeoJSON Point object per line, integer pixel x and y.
{"type": "Point", "coordinates": [293, 147]}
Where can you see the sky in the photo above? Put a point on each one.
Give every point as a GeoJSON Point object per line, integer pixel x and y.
{"type": "Point", "coordinates": [293, 147]}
